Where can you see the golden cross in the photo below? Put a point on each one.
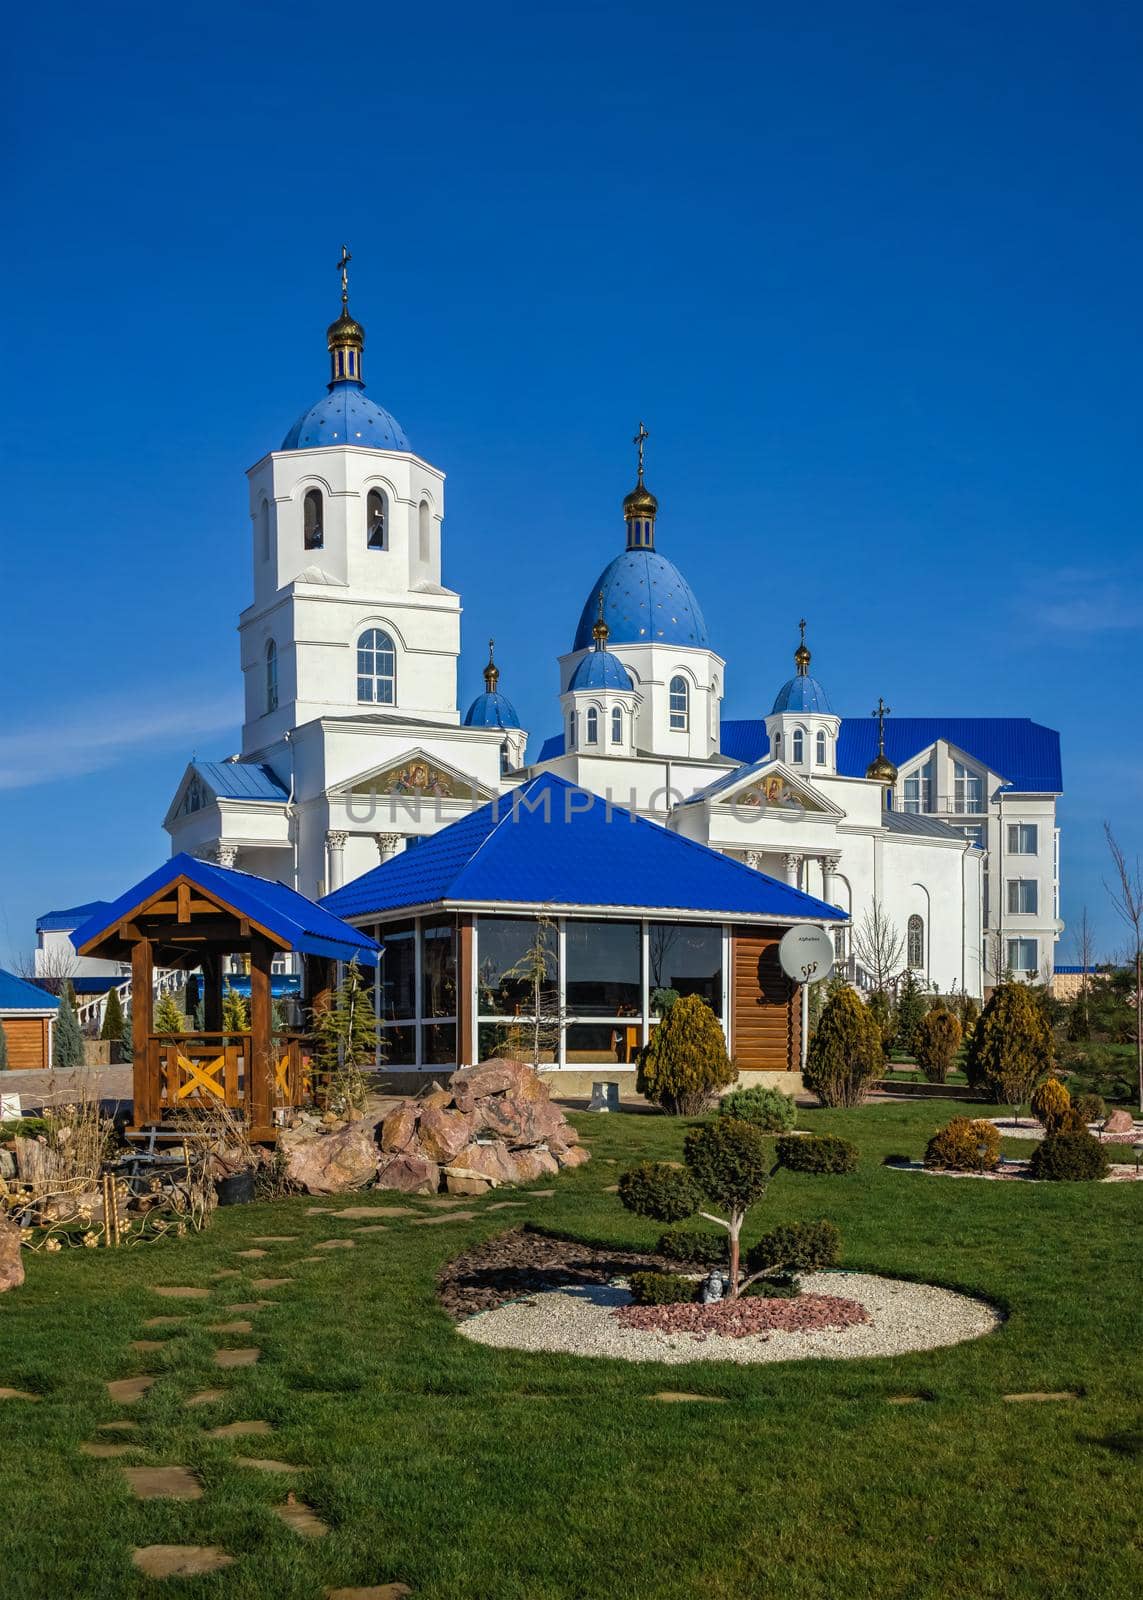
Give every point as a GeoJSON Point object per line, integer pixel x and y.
{"type": "Point", "coordinates": [882, 711]}
{"type": "Point", "coordinates": [640, 439]}
{"type": "Point", "coordinates": [802, 629]}
{"type": "Point", "coordinates": [343, 268]}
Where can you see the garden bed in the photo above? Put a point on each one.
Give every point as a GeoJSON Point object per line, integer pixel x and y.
{"type": "Point", "coordinates": [525, 1261]}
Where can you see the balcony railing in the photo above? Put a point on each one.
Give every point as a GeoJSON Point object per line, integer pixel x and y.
{"type": "Point", "coordinates": [196, 1070]}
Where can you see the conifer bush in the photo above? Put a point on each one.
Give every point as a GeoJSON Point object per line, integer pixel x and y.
{"type": "Point", "coordinates": [821, 1153]}
{"type": "Point", "coordinates": [1075, 1156]}
{"type": "Point", "coordinates": [112, 1017]}
{"type": "Point", "coordinates": [881, 1010]}
{"type": "Point", "coordinates": [1090, 1108]}
{"type": "Point", "coordinates": [965, 1144]}
{"type": "Point", "coordinates": [685, 1064]}
{"type": "Point", "coordinates": [662, 1289]}
{"type": "Point", "coordinates": [168, 1017]}
{"type": "Point", "coordinates": [1051, 1103]}
{"type": "Point", "coordinates": [67, 1042]}
{"type": "Point", "coordinates": [768, 1109]}
{"type": "Point", "coordinates": [796, 1247]}
{"type": "Point", "coordinates": [936, 1043]}
{"type": "Point", "coordinates": [659, 1190]}
{"type": "Point", "coordinates": [693, 1247]}
{"type": "Point", "coordinates": [911, 1007]}
{"type": "Point", "coordinates": [845, 1052]}
{"type": "Point", "coordinates": [1011, 1047]}
{"type": "Point", "coordinates": [235, 1012]}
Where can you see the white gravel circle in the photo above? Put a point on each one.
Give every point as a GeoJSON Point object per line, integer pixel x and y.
{"type": "Point", "coordinates": [578, 1322]}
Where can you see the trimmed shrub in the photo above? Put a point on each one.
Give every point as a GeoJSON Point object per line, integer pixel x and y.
{"type": "Point", "coordinates": [168, 1015]}
{"type": "Point", "coordinates": [694, 1247]}
{"type": "Point", "coordinates": [911, 1007]}
{"type": "Point", "coordinates": [1074, 1157]}
{"type": "Point", "coordinates": [112, 1017]}
{"type": "Point", "coordinates": [685, 1064]}
{"type": "Point", "coordinates": [881, 1010]}
{"type": "Point", "coordinates": [659, 1190]}
{"type": "Point", "coordinates": [1011, 1047]}
{"type": "Point", "coordinates": [662, 1289]}
{"type": "Point", "coordinates": [796, 1247]}
{"type": "Point", "coordinates": [936, 1044]}
{"type": "Point", "coordinates": [67, 1039]}
{"type": "Point", "coordinates": [768, 1109]}
{"type": "Point", "coordinates": [1090, 1108]}
{"type": "Point", "coordinates": [730, 1161]}
{"type": "Point", "coordinates": [1051, 1103]}
{"type": "Point", "coordinates": [966, 1144]}
{"type": "Point", "coordinates": [819, 1152]}
{"type": "Point", "coordinates": [845, 1052]}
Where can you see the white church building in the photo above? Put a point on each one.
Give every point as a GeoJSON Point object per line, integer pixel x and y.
{"type": "Point", "coordinates": [354, 747]}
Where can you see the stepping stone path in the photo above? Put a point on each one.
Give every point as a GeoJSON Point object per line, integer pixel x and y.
{"type": "Point", "coordinates": [239, 1430]}
{"type": "Point", "coordinates": [308, 1261]}
{"type": "Point", "coordinates": [126, 1391]}
{"type": "Point", "coordinates": [180, 1560]}
{"type": "Point", "coordinates": [164, 1322]}
{"type": "Point", "coordinates": [906, 1399]}
{"type": "Point", "coordinates": [540, 1194]}
{"type": "Point", "coordinates": [102, 1451]}
{"type": "Point", "coordinates": [678, 1396]}
{"type": "Point", "coordinates": [237, 1358]}
{"type": "Point", "coordinates": [372, 1591]}
{"type": "Point", "coordinates": [118, 1427]}
{"type": "Point", "coordinates": [269, 1283]}
{"type": "Point", "coordinates": [453, 1216]}
{"type": "Point", "coordinates": [1041, 1394]}
{"type": "Point", "coordinates": [183, 1291]}
{"type": "Point", "coordinates": [252, 1305]}
{"type": "Point", "coordinates": [264, 1464]}
{"type": "Point", "coordinates": [205, 1397]}
{"type": "Point", "coordinates": [612, 1188]}
{"type": "Point", "coordinates": [354, 1213]}
{"type": "Point", "coordinates": [240, 1325]}
{"type": "Point", "coordinates": [17, 1394]}
{"type": "Point", "coordinates": [336, 1244]}
{"type": "Point", "coordinates": [227, 1272]}
{"type": "Point", "coordinates": [251, 1255]}
{"type": "Point", "coordinates": [275, 1238]}
{"type": "Point", "coordinates": [375, 1227]}
{"type": "Point", "coordinates": [163, 1483]}
{"type": "Point", "coordinates": [302, 1518]}
{"type": "Point", "coordinates": [506, 1205]}
{"type": "Point", "coordinates": [319, 1211]}
{"type": "Point", "coordinates": [147, 1344]}
{"type": "Point", "coordinates": [442, 1201]}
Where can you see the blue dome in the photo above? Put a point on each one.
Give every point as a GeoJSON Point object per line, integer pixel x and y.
{"type": "Point", "coordinates": [345, 416]}
{"type": "Point", "coordinates": [802, 693]}
{"type": "Point", "coordinates": [600, 670]}
{"type": "Point", "coordinates": [491, 710]}
{"type": "Point", "coordinates": [646, 600]}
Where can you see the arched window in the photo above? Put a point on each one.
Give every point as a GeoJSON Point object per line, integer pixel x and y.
{"type": "Point", "coordinates": [423, 541]}
{"type": "Point", "coordinates": [571, 731]}
{"type": "Point", "coordinates": [376, 521]}
{"type": "Point", "coordinates": [714, 708]}
{"type": "Point", "coordinates": [616, 725]}
{"type": "Point", "coordinates": [313, 520]}
{"type": "Point", "coordinates": [264, 528]}
{"type": "Point", "coordinates": [799, 746]}
{"type": "Point", "coordinates": [271, 675]}
{"type": "Point", "coordinates": [376, 669]}
{"type": "Point", "coordinates": [916, 943]}
{"type": "Point", "coordinates": [778, 744]}
{"type": "Point", "coordinates": [592, 725]}
{"type": "Point", "coordinates": [679, 705]}
{"type": "Point", "coordinates": [821, 749]}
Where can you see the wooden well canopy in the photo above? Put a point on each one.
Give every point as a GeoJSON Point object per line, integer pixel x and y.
{"type": "Point", "coordinates": [187, 916]}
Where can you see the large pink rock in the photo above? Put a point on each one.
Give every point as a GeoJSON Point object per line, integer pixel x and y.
{"type": "Point", "coordinates": [331, 1163]}
{"type": "Point", "coordinates": [470, 1084]}
{"type": "Point", "coordinates": [532, 1164]}
{"type": "Point", "coordinates": [573, 1157]}
{"type": "Point", "coordinates": [490, 1160]}
{"type": "Point", "coordinates": [1119, 1121]}
{"type": "Point", "coordinates": [11, 1260]}
{"type": "Point", "coordinates": [442, 1135]}
{"type": "Point", "coordinates": [518, 1121]}
{"type": "Point", "coordinates": [412, 1174]}
{"type": "Point", "coordinates": [399, 1126]}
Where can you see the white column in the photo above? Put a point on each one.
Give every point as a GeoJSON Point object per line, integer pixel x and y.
{"type": "Point", "coordinates": [830, 865]}
{"type": "Point", "coordinates": [387, 845]}
{"type": "Point", "coordinates": [792, 864]}
{"type": "Point", "coordinates": [226, 854]}
{"type": "Point", "coordinates": [754, 859]}
{"type": "Point", "coordinates": [335, 859]}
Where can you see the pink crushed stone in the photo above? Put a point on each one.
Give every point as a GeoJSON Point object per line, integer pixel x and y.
{"type": "Point", "coordinates": [739, 1319]}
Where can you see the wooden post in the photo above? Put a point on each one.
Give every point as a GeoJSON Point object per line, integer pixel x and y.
{"type": "Point", "coordinates": [259, 1069]}
{"type": "Point", "coordinates": [211, 964]}
{"type": "Point", "coordinates": [466, 1043]}
{"type": "Point", "coordinates": [145, 1092]}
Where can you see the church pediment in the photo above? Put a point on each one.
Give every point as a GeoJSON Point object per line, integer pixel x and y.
{"type": "Point", "coordinates": [773, 787]}
{"type": "Point", "coordinates": [417, 775]}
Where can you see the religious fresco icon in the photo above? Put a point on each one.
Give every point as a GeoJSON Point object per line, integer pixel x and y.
{"type": "Point", "coordinates": [416, 775]}
{"type": "Point", "coordinates": [775, 793]}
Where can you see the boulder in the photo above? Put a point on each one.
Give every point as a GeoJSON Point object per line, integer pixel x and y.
{"type": "Point", "coordinates": [437, 1099]}
{"type": "Point", "coordinates": [11, 1261]}
{"type": "Point", "coordinates": [331, 1163]}
{"type": "Point", "coordinates": [536, 1163]}
{"type": "Point", "coordinates": [490, 1161]}
{"type": "Point", "coordinates": [442, 1135]}
{"type": "Point", "coordinates": [470, 1084]}
{"type": "Point", "coordinates": [518, 1121]}
{"type": "Point", "coordinates": [455, 1184]}
{"type": "Point", "coordinates": [411, 1174]}
{"type": "Point", "coordinates": [1119, 1121]}
{"type": "Point", "coordinates": [574, 1156]}
{"type": "Point", "coordinates": [399, 1126]}
{"type": "Point", "coordinates": [563, 1138]}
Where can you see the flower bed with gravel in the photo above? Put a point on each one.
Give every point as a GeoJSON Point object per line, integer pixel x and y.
{"type": "Point", "coordinates": [739, 1319]}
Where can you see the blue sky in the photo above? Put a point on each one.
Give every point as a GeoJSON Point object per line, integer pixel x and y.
{"type": "Point", "coordinates": [871, 275]}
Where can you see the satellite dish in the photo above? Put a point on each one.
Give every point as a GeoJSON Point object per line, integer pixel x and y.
{"type": "Point", "coordinates": [806, 953]}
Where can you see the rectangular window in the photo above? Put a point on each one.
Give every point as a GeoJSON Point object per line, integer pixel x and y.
{"type": "Point", "coordinates": [610, 1044]}
{"type": "Point", "coordinates": [438, 968]}
{"type": "Point", "coordinates": [398, 980]}
{"type": "Point", "coordinates": [968, 790]}
{"type": "Point", "coordinates": [1023, 897]}
{"type": "Point", "coordinates": [604, 969]}
{"type": "Point", "coordinates": [974, 833]}
{"type": "Point", "coordinates": [399, 1046]}
{"type": "Point", "coordinates": [504, 984]}
{"type": "Point", "coordinates": [1023, 839]}
{"type": "Point", "coordinates": [918, 789]}
{"type": "Point", "coordinates": [1024, 956]}
{"type": "Point", "coordinates": [687, 959]}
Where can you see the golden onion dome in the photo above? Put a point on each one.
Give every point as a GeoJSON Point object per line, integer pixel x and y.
{"type": "Point", "coordinates": [881, 769]}
{"type": "Point", "coordinates": [640, 502]}
{"type": "Point", "coordinates": [345, 331]}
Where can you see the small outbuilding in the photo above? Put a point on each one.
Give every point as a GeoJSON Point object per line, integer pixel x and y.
{"type": "Point", "coordinates": [27, 1016]}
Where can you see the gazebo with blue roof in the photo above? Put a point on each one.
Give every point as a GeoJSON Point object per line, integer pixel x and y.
{"type": "Point", "coordinates": [622, 907]}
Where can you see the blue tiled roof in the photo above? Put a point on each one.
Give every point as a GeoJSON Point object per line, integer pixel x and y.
{"type": "Point", "coordinates": [535, 846]}
{"type": "Point", "coordinates": [599, 669]}
{"type": "Point", "coordinates": [551, 748]}
{"type": "Point", "coordinates": [298, 922]}
{"type": "Point", "coordinates": [802, 693]}
{"type": "Point", "coordinates": [491, 710]}
{"type": "Point", "coordinates": [646, 600]}
{"type": "Point", "coordinates": [1024, 752]}
{"type": "Point", "coordinates": [65, 921]}
{"type": "Point", "coordinates": [345, 416]}
{"type": "Point", "coordinates": [17, 995]}
{"type": "Point", "coordinates": [241, 780]}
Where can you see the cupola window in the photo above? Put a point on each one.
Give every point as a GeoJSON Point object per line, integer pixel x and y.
{"type": "Point", "coordinates": [313, 520]}
{"type": "Point", "coordinates": [377, 520]}
{"type": "Point", "coordinates": [616, 725]}
{"type": "Point", "coordinates": [271, 676]}
{"type": "Point", "coordinates": [264, 528]}
{"type": "Point", "coordinates": [571, 731]}
{"type": "Point", "coordinates": [376, 669]}
{"type": "Point", "coordinates": [679, 704]}
{"type": "Point", "coordinates": [820, 756]}
{"type": "Point", "coordinates": [592, 725]}
{"type": "Point", "coordinates": [424, 543]}
{"type": "Point", "coordinates": [799, 747]}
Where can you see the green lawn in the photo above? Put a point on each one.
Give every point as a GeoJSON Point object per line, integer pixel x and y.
{"type": "Point", "coordinates": [476, 1474]}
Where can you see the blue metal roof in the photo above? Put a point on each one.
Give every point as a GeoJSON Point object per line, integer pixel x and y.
{"type": "Point", "coordinates": [551, 843]}
{"type": "Point", "coordinates": [18, 995]}
{"type": "Point", "coordinates": [241, 780]}
{"type": "Point", "coordinates": [802, 693]}
{"type": "Point", "coordinates": [1024, 752]}
{"type": "Point", "coordinates": [289, 916]}
{"type": "Point", "coordinates": [646, 600]}
{"type": "Point", "coordinates": [599, 669]}
{"type": "Point", "coordinates": [491, 710]}
{"type": "Point", "coordinates": [65, 921]}
{"type": "Point", "coordinates": [552, 747]}
{"type": "Point", "coordinates": [345, 416]}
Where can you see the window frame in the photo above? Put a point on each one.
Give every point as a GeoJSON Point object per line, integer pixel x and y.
{"type": "Point", "coordinates": [270, 682]}
{"type": "Point", "coordinates": [915, 942]}
{"type": "Point", "coordinates": [370, 542]}
{"type": "Point", "coordinates": [821, 749]}
{"type": "Point", "coordinates": [798, 747]}
{"type": "Point", "coordinates": [679, 704]}
{"type": "Point", "coordinates": [591, 726]}
{"type": "Point", "coordinates": [1026, 942]}
{"type": "Point", "coordinates": [1018, 829]}
{"type": "Point", "coordinates": [617, 724]}
{"type": "Point", "coordinates": [1022, 889]}
{"type": "Point", "coordinates": [313, 538]}
{"type": "Point", "coordinates": [375, 677]}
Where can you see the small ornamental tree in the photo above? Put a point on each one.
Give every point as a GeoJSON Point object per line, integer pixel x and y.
{"type": "Point", "coordinates": [937, 1042]}
{"type": "Point", "coordinates": [235, 1012]}
{"type": "Point", "coordinates": [911, 1008]}
{"type": "Point", "coordinates": [1051, 1103]}
{"type": "Point", "coordinates": [685, 1064]}
{"type": "Point", "coordinates": [346, 1042]}
{"type": "Point", "coordinates": [881, 1010]}
{"type": "Point", "coordinates": [1011, 1046]}
{"type": "Point", "coordinates": [168, 1016]}
{"type": "Point", "coordinates": [112, 1017]}
{"type": "Point", "coordinates": [844, 1053]}
{"type": "Point", "coordinates": [67, 1046]}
